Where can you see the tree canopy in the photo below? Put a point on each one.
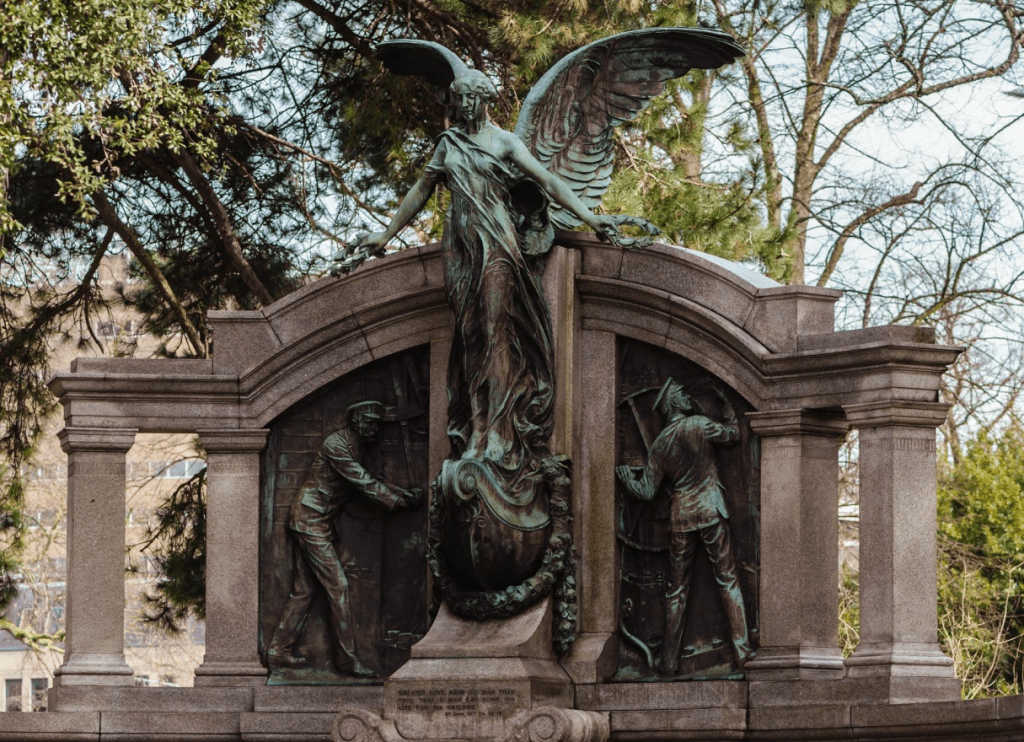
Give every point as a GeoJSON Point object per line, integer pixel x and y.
{"type": "Point", "coordinates": [231, 145]}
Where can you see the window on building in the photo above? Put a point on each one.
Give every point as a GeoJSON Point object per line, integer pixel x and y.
{"type": "Point", "coordinates": [39, 686]}
{"type": "Point", "coordinates": [12, 693]}
{"type": "Point", "coordinates": [184, 469]}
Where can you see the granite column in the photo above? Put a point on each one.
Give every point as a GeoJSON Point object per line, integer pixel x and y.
{"type": "Point", "coordinates": [232, 558]}
{"type": "Point", "coordinates": [799, 545]}
{"type": "Point", "coordinates": [94, 613]}
{"type": "Point", "coordinates": [899, 624]}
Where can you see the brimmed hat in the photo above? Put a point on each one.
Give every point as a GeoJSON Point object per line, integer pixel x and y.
{"type": "Point", "coordinates": [670, 387]}
{"type": "Point", "coordinates": [370, 408]}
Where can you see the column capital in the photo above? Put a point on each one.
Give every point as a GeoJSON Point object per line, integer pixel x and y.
{"type": "Point", "coordinates": [74, 439]}
{"type": "Point", "coordinates": [895, 412]}
{"type": "Point", "coordinates": [798, 421]}
{"type": "Point", "coordinates": [234, 440]}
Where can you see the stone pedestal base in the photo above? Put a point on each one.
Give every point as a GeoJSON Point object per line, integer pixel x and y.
{"type": "Point", "coordinates": [546, 723]}
{"type": "Point", "coordinates": [213, 673]}
{"type": "Point", "coordinates": [593, 658]}
{"type": "Point", "coordinates": [899, 659]}
{"type": "Point", "coordinates": [478, 680]}
{"type": "Point", "coordinates": [94, 669]}
{"type": "Point", "coordinates": [871, 691]}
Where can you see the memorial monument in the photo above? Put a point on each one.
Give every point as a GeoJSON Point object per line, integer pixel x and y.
{"type": "Point", "coordinates": [501, 536]}
{"type": "Point", "coordinates": [528, 483]}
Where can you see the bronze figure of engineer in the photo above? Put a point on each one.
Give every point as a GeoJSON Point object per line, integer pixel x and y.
{"type": "Point", "coordinates": [335, 476]}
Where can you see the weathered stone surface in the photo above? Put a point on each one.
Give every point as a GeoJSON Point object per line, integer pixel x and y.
{"type": "Point", "coordinates": [527, 635]}
{"type": "Point", "coordinates": [781, 315]}
{"type": "Point", "coordinates": [94, 648]}
{"type": "Point", "coordinates": [814, 722]}
{"type": "Point", "coordinates": [470, 679]}
{"type": "Point", "coordinates": [730, 694]}
{"type": "Point", "coordinates": [125, 724]}
{"type": "Point", "coordinates": [898, 635]}
{"type": "Point", "coordinates": [858, 691]}
{"type": "Point", "coordinates": [703, 723]}
{"type": "Point", "coordinates": [243, 339]}
{"type": "Point", "coordinates": [594, 487]}
{"type": "Point", "coordinates": [934, 721]}
{"type": "Point", "coordinates": [592, 659]}
{"type": "Point", "coordinates": [283, 726]}
{"type": "Point", "coordinates": [79, 699]}
{"type": "Point", "coordinates": [232, 558]}
{"type": "Point", "coordinates": [440, 447]}
{"type": "Point", "coordinates": [302, 699]}
{"type": "Point", "coordinates": [81, 726]}
{"type": "Point", "coordinates": [798, 593]}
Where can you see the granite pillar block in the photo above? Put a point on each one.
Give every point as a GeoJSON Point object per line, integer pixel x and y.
{"type": "Point", "coordinates": [94, 619]}
{"type": "Point", "coordinates": [899, 624]}
{"type": "Point", "coordinates": [799, 545]}
{"type": "Point", "coordinates": [232, 558]}
{"type": "Point", "coordinates": [594, 657]}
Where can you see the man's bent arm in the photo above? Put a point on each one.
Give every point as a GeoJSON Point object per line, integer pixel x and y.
{"type": "Point", "coordinates": [339, 455]}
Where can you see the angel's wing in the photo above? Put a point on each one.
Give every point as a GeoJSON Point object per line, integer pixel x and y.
{"type": "Point", "coordinates": [424, 58]}
{"type": "Point", "coordinates": [567, 119]}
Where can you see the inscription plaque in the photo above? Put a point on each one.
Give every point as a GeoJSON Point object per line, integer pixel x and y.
{"type": "Point", "coordinates": [456, 702]}
{"type": "Point", "coordinates": [470, 708]}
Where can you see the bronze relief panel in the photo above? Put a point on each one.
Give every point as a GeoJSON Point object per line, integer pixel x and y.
{"type": "Point", "coordinates": [344, 579]}
{"type": "Point", "coordinates": [688, 496]}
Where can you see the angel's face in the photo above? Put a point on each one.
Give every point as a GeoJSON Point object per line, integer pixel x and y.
{"type": "Point", "coordinates": [471, 104]}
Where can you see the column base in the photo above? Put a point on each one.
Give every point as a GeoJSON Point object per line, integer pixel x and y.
{"type": "Point", "coordinates": [795, 663]}
{"type": "Point", "coordinates": [899, 659]}
{"type": "Point", "coordinates": [94, 669]}
{"type": "Point", "coordinates": [547, 723]}
{"type": "Point", "coordinates": [221, 673]}
{"type": "Point", "coordinates": [592, 659]}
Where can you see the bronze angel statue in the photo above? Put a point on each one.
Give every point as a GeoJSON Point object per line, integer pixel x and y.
{"type": "Point", "coordinates": [502, 534]}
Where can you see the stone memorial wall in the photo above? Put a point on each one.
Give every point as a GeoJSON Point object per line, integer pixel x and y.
{"type": "Point", "coordinates": [770, 390]}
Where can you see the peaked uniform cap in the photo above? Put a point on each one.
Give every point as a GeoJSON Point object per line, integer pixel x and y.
{"type": "Point", "coordinates": [670, 387]}
{"type": "Point", "coordinates": [369, 408]}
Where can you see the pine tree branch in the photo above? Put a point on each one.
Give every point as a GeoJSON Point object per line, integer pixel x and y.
{"type": "Point", "coordinates": [225, 229]}
{"type": "Point", "coordinates": [113, 221]}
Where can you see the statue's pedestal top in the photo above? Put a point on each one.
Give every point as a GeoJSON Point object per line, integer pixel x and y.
{"type": "Point", "coordinates": [471, 679]}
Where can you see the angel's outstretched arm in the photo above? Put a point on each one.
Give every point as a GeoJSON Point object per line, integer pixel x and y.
{"type": "Point", "coordinates": [556, 188]}
{"type": "Point", "coordinates": [410, 206]}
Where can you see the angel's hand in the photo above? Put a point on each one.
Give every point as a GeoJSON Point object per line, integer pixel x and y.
{"type": "Point", "coordinates": [368, 244]}
{"type": "Point", "coordinates": [605, 226]}
{"type": "Point", "coordinates": [373, 243]}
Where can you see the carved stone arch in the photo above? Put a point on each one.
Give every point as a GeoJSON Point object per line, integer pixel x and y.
{"type": "Point", "coordinates": [728, 353]}
{"type": "Point", "coordinates": [315, 336]}
{"type": "Point", "coordinates": [774, 345]}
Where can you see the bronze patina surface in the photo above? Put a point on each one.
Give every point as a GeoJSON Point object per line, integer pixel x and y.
{"type": "Point", "coordinates": [500, 513]}
{"type": "Point", "coordinates": [688, 503]}
{"type": "Point", "coordinates": [362, 482]}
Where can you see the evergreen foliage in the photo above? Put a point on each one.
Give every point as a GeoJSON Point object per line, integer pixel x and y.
{"type": "Point", "coordinates": [981, 593]}
{"type": "Point", "coordinates": [178, 546]}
